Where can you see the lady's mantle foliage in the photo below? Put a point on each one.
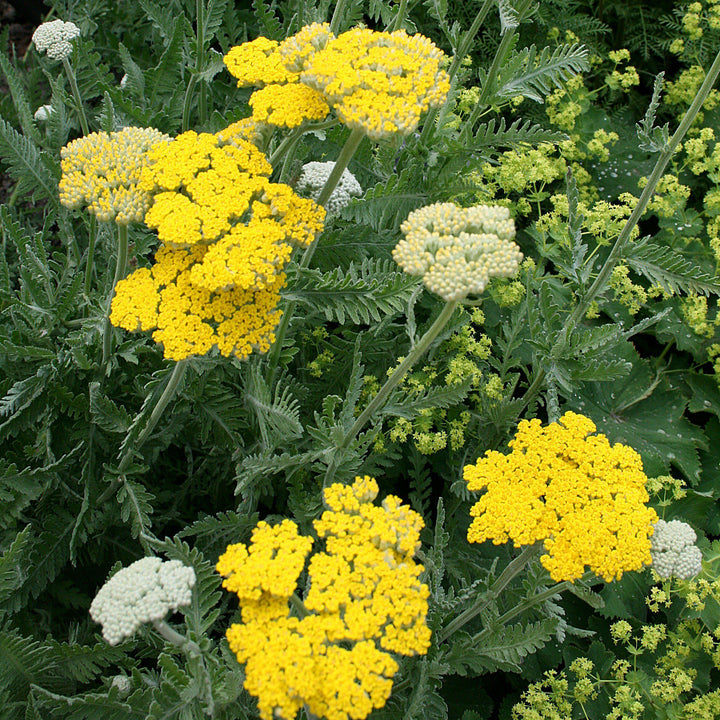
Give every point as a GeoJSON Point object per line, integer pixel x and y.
{"type": "Point", "coordinates": [379, 83]}
{"type": "Point", "coordinates": [573, 491]}
{"type": "Point", "coordinates": [142, 592]}
{"type": "Point", "coordinates": [365, 601]}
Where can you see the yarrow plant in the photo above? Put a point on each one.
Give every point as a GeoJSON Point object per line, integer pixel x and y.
{"type": "Point", "coordinates": [318, 250]}
{"type": "Point", "coordinates": [333, 650]}
{"type": "Point", "coordinates": [569, 489]}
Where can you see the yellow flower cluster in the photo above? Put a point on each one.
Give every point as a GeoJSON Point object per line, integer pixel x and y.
{"type": "Point", "coordinates": [282, 100]}
{"type": "Point", "coordinates": [572, 490]}
{"type": "Point", "coordinates": [457, 250]}
{"type": "Point", "coordinates": [189, 319]}
{"type": "Point", "coordinates": [377, 82]}
{"type": "Point", "coordinates": [228, 233]}
{"type": "Point", "coordinates": [102, 171]}
{"type": "Point", "coordinates": [365, 601]}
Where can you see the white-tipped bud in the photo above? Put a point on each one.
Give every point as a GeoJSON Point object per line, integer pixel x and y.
{"type": "Point", "coordinates": [55, 38]}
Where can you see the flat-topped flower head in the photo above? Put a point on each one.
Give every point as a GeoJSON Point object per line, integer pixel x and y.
{"type": "Point", "coordinates": [561, 485]}
{"type": "Point", "coordinates": [457, 250]}
{"type": "Point", "coordinates": [297, 50]}
{"type": "Point", "coordinates": [313, 178]}
{"type": "Point", "coordinates": [202, 186]}
{"type": "Point", "coordinates": [55, 38]}
{"type": "Point", "coordinates": [213, 190]}
{"type": "Point", "coordinates": [365, 601]}
{"type": "Point", "coordinates": [258, 62]}
{"type": "Point", "coordinates": [378, 82]}
{"type": "Point", "coordinates": [101, 171]}
{"type": "Point", "coordinates": [287, 106]}
{"type": "Point", "coordinates": [145, 591]}
{"type": "Point", "coordinates": [189, 319]}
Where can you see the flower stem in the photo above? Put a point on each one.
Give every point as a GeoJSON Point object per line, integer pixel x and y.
{"type": "Point", "coordinates": [200, 57]}
{"type": "Point", "coordinates": [90, 262]}
{"type": "Point", "coordinates": [489, 84]}
{"type": "Point", "coordinates": [346, 154]}
{"type": "Point", "coordinates": [623, 238]}
{"type": "Point", "coordinates": [513, 569]}
{"type": "Point", "coordinates": [392, 382]}
{"type": "Point", "coordinates": [337, 16]}
{"type": "Point", "coordinates": [120, 270]}
{"type": "Point", "coordinates": [399, 17]}
{"type": "Point", "coordinates": [168, 393]}
{"type": "Point", "coordinates": [76, 95]}
{"type": "Point", "coordinates": [461, 52]}
{"type": "Point", "coordinates": [174, 637]}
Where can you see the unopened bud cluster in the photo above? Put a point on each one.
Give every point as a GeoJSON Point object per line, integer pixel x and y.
{"type": "Point", "coordinates": [457, 250]}
{"type": "Point", "coordinates": [673, 550]}
{"type": "Point", "coordinates": [313, 178]}
{"type": "Point", "coordinates": [142, 592]}
{"type": "Point", "coordinates": [54, 38]}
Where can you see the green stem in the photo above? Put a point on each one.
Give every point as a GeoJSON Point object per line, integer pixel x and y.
{"type": "Point", "coordinates": [174, 637]}
{"type": "Point", "coordinates": [462, 50]}
{"type": "Point", "coordinates": [187, 102]}
{"type": "Point", "coordinates": [76, 95]}
{"type": "Point", "coordinates": [624, 237]}
{"type": "Point", "coordinates": [90, 262]}
{"type": "Point", "coordinates": [489, 84]}
{"type": "Point", "coordinates": [120, 270]}
{"type": "Point", "coordinates": [513, 569]}
{"type": "Point", "coordinates": [200, 57]}
{"type": "Point", "coordinates": [392, 382]}
{"type": "Point", "coordinates": [337, 16]}
{"type": "Point", "coordinates": [399, 17]}
{"type": "Point", "coordinates": [526, 605]}
{"type": "Point", "coordinates": [346, 154]}
{"type": "Point", "coordinates": [168, 393]}
{"type": "Point", "coordinates": [287, 142]}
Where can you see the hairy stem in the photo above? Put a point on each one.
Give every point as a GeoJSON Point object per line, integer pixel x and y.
{"type": "Point", "coordinates": [623, 238]}
{"type": "Point", "coordinates": [513, 569]}
{"type": "Point", "coordinates": [346, 154]}
{"type": "Point", "coordinates": [392, 382]}
{"type": "Point", "coordinates": [76, 95]}
{"type": "Point", "coordinates": [337, 16]}
{"type": "Point", "coordinates": [397, 22]}
{"type": "Point", "coordinates": [120, 270]}
{"type": "Point", "coordinates": [462, 50]}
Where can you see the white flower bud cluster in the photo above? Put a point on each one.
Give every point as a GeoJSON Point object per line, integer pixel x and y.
{"type": "Point", "coordinates": [673, 550]}
{"type": "Point", "coordinates": [54, 38]}
{"type": "Point", "coordinates": [144, 591]}
{"type": "Point", "coordinates": [43, 113]}
{"type": "Point", "coordinates": [457, 250]}
{"type": "Point", "coordinates": [313, 177]}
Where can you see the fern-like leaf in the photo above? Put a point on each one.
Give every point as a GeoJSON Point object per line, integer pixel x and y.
{"type": "Point", "coordinates": [363, 293]}
{"type": "Point", "coordinates": [36, 173]}
{"type": "Point", "coordinates": [135, 507]}
{"type": "Point", "coordinates": [12, 572]}
{"type": "Point", "coordinates": [666, 267]}
{"type": "Point", "coordinates": [535, 75]}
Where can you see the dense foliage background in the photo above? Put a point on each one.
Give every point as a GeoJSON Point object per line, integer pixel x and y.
{"type": "Point", "coordinates": [90, 480]}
